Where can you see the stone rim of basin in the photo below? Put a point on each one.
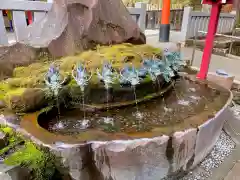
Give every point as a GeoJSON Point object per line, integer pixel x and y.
{"type": "Point", "coordinates": [183, 150]}
{"type": "Point", "coordinates": [32, 118]}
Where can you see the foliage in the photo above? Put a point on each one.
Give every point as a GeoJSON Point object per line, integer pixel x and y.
{"type": "Point", "coordinates": [39, 161]}
{"type": "Point", "coordinates": [4, 88]}
{"type": "Point", "coordinates": [12, 138]}
{"type": "Point", "coordinates": [13, 93]}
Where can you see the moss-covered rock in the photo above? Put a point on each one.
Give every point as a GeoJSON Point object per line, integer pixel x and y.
{"type": "Point", "coordinates": [32, 76]}
{"type": "Point", "coordinates": [23, 92]}
{"type": "Point", "coordinates": [4, 88]}
{"type": "Point", "coordinates": [3, 140]}
{"type": "Point", "coordinates": [2, 104]}
{"type": "Point", "coordinates": [25, 99]}
{"type": "Point", "coordinates": [39, 161]}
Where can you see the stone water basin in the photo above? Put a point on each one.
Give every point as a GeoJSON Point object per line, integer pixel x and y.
{"type": "Point", "coordinates": [172, 136]}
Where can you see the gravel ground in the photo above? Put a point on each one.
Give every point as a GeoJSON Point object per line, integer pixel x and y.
{"type": "Point", "coordinates": [220, 152]}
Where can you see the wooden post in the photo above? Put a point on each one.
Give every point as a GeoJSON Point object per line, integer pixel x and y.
{"type": "Point", "coordinates": [212, 29]}
{"type": "Point", "coordinates": [165, 24]}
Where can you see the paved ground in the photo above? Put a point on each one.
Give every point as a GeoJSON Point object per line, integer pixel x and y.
{"type": "Point", "coordinates": [234, 173]}
{"type": "Point", "coordinates": [230, 65]}
{"type": "Point", "coordinates": [175, 36]}
{"type": "Point", "coordinates": [230, 168]}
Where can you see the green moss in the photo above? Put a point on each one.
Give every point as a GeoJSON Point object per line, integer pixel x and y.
{"type": "Point", "coordinates": [42, 164]}
{"type": "Point", "coordinates": [148, 97]}
{"type": "Point", "coordinates": [33, 75]}
{"type": "Point", "coordinates": [16, 92]}
{"type": "Point", "coordinates": [10, 146]}
{"type": "Point", "coordinates": [39, 162]}
{"type": "Point", "coordinates": [147, 79]}
{"type": "Point", "coordinates": [13, 139]}
{"type": "Point", "coordinates": [119, 55]}
{"type": "Point", "coordinates": [46, 109]}
{"type": "Point", "coordinates": [32, 70]}
{"type": "Point", "coordinates": [7, 130]}
{"type": "Point", "coordinates": [4, 88]}
{"type": "Point", "coordinates": [12, 93]}
{"type": "Point", "coordinates": [72, 82]}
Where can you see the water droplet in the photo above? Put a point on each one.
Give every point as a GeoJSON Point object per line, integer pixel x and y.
{"type": "Point", "coordinates": [195, 97]}
{"type": "Point", "coordinates": [59, 125]}
{"type": "Point", "coordinates": [192, 90]}
{"type": "Point", "coordinates": [108, 120]}
{"type": "Point", "coordinates": [168, 109]}
{"type": "Point", "coordinates": [183, 102]}
{"type": "Point", "coordinates": [83, 124]}
{"type": "Point", "coordinates": [138, 115]}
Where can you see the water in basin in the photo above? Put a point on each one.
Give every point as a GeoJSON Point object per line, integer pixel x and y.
{"type": "Point", "coordinates": [175, 110]}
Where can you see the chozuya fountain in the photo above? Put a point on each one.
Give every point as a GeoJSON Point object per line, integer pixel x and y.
{"type": "Point", "coordinates": [113, 118]}
{"type": "Point", "coordinates": [143, 122]}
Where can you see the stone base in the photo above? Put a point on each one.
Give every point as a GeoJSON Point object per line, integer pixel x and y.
{"type": "Point", "coordinates": [127, 159]}
{"type": "Point", "coordinates": [13, 173]}
{"type": "Point", "coordinates": [225, 81]}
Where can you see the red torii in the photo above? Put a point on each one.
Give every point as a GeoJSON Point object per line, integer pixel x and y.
{"type": "Point", "coordinates": [212, 29]}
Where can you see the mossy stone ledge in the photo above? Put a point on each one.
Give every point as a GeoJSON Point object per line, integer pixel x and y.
{"type": "Point", "coordinates": [26, 90]}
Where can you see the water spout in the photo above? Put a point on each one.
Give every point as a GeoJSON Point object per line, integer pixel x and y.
{"type": "Point", "coordinates": [107, 75]}
{"type": "Point", "coordinates": [54, 81]}
{"type": "Point", "coordinates": [81, 76]}
{"type": "Point", "coordinates": [154, 67]}
{"type": "Point", "coordinates": [82, 79]}
{"type": "Point", "coordinates": [131, 75]}
{"type": "Point", "coordinates": [175, 60]}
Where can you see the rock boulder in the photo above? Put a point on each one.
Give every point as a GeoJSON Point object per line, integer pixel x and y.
{"type": "Point", "coordinates": [75, 25]}
{"type": "Point", "coordinates": [70, 27]}
{"type": "Point", "coordinates": [24, 100]}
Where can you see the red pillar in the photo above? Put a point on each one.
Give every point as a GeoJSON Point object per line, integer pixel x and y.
{"type": "Point", "coordinates": [164, 31]}
{"type": "Point", "coordinates": [30, 18]}
{"type": "Point", "coordinates": [212, 29]}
